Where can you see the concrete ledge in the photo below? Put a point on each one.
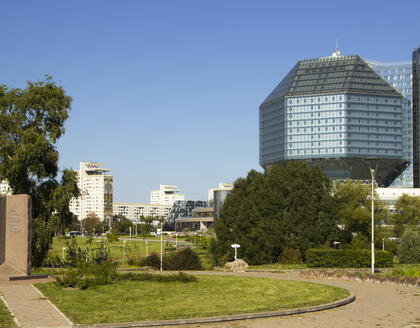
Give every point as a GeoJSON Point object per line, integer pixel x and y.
{"type": "Point", "coordinates": [245, 316]}
{"type": "Point", "coordinates": [30, 277]}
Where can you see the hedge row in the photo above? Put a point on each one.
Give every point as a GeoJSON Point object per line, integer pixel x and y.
{"type": "Point", "coordinates": [331, 258]}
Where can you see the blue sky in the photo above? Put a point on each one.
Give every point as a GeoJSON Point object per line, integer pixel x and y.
{"type": "Point", "coordinates": [167, 92]}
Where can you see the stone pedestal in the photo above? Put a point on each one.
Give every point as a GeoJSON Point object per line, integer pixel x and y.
{"type": "Point", "coordinates": [15, 236]}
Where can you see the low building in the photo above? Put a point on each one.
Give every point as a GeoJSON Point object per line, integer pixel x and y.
{"type": "Point", "coordinates": [182, 209]}
{"type": "Point", "coordinates": [222, 186]}
{"type": "Point", "coordinates": [391, 195]}
{"type": "Point", "coordinates": [201, 219]}
{"type": "Point", "coordinates": [135, 211]}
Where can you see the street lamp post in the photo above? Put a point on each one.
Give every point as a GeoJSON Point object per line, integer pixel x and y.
{"type": "Point", "coordinates": [161, 244]}
{"type": "Point", "coordinates": [373, 165]}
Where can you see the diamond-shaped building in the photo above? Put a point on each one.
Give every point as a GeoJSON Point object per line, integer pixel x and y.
{"type": "Point", "coordinates": [334, 112]}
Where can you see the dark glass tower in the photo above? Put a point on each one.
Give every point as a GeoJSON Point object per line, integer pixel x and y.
{"type": "Point", "coordinates": [416, 118]}
{"type": "Point", "coordinates": [334, 112]}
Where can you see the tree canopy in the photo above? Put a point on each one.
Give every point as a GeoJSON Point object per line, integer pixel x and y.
{"type": "Point", "coordinates": [283, 208]}
{"type": "Point", "coordinates": [407, 213]}
{"type": "Point", "coordinates": [31, 122]}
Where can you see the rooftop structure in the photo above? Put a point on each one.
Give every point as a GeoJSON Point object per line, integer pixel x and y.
{"type": "Point", "coordinates": [332, 112]}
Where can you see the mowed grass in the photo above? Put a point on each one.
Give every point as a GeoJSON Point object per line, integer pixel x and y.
{"type": "Point", "coordinates": [126, 301]}
{"type": "Point", "coordinates": [6, 319]}
{"type": "Point", "coordinates": [135, 247]}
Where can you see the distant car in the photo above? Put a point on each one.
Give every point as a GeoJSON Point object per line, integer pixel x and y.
{"type": "Point", "coordinates": [74, 233]}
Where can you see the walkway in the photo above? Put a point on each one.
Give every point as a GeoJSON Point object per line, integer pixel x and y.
{"type": "Point", "coordinates": [30, 308]}
{"type": "Point", "coordinates": [375, 306]}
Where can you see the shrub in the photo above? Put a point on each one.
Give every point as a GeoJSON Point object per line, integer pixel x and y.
{"type": "Point", "coordinates": [88, 275]}
{"type": "Point", "coordinates": [153, 260]}
{"type": "Point", "coordinates": [185, 259]}
{"type": "Point", "coordinates": [181, 277]}
{"type": "Point", "coordinates": [409, 249]}
{"type": "Point", "coordinates": [291, 256]}
{"type": "Point", "coordinates": [329, 258]}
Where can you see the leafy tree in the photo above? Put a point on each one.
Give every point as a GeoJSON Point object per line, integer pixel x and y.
{"type": "Point", "coordinates": [409, 249]}
{"type": "Point", "coordinates": [355, 207]}
{"type": "Point", "coordinates": [123, 226]}
{"type": "Point", "coordinates": [31, 122]}
{"type": "Point", "coordinates": [91, 223]}
{"type": "Point", "coordinates": [407, 213]}
{"type": "Point", "coordinates": [283, 208]}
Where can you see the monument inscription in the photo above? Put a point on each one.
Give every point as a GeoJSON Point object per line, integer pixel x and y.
{"type": "Point", "coordinates": [14, 222]}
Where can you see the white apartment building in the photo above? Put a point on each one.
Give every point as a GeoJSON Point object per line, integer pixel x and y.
{"type": "Point", "coordinates": [222, 186]}
{"type": "Point", "coordinates": [5, 188]}
{"type": "Point", "coordinates": [166, 195]}
{"type": "Point", "coordinates": [96, 189]}
{"type": "Point", "coordinates": [134, 211]}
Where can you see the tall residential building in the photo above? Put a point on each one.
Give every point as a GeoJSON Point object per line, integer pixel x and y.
{"type": "Point", "coordinates": [334, 112]}
{"type": "Point", "coordinates": [5, 188]}
{"type": "Point", "coordinates": [166, 195]}
{"type": "Point", "coordinates": [135, 211]}
{"type": "Point", "coordinates": [416, 117]}
{"type": "Point", "coordinates": [222, 186]}
{"type": "Point", "coordinates": [399, 75]}
{"type": "Point", "coordinates": [96, 188]}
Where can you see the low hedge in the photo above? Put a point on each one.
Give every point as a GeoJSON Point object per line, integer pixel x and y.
{"type": "Point", "coordinates": [331, 258]}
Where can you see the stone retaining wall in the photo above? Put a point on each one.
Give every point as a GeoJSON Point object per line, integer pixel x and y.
{"type": "Point", "coordinates": [361, 277]}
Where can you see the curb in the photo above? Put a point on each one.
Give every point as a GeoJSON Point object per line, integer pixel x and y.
{"type": "Point", "coordinates": [235, 317]}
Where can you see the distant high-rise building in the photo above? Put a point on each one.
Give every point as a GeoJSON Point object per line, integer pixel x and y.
{"type": "Point", "coordinates": [166, 195]}
{"type": "Point", "coordinates": [399, 75]}
{"type": "Point", "coordinates": [96, 189]}
{"type": "Point", "coordinates": [334, 112]}
{"type": "Point", "coordinates": [416, 117]}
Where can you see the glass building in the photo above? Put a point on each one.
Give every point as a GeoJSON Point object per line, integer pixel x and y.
{"type": "Point", "coordinates": [416, 117]}
{"type": "Point", "coordinates": [333, 112]}
{"type": "Point", "coordinates": [399, 75]}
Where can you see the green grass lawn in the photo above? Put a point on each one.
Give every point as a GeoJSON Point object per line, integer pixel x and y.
{"type": "Point", "coordinates": [6, 319]}
{"type": "Point", "coordinates": [126, 301]}
{"type": "Point", "coordinates": [134, 247]}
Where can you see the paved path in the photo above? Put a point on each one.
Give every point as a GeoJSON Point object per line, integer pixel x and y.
{"type": "Point", "coordinates": [30, 308]}
{"type": "Point", "coordinates": [375, 306]}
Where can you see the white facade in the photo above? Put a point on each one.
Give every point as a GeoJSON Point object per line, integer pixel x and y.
{"type": "Point", "coordinates": [5, 188]}
{"type": "Point", "coordinates": [391, 195]}
{"type": "Point", "coordinates": [166, 195]}
{"type": "Point", "coordinates": [96, 189]}
{"type": "Point", "coordinates": [222, 186]}
{"type": "Point", "coordinates": [134, 211]}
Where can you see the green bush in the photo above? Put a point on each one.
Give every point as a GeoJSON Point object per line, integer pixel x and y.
{"type": "Point", "coordinates": [185, 259]}
{"type": "Point", "coordinates": [291, 256]}
{"type": "Point", "coordinates": [409, 249]}
{"type": "Point", "coordinates": [330, 258]}
{"type": "Point", "coordinates": [181, 277]}
{"type": "Point", "coordinates": [153, 260]}
{"type": "Point", "coordinates": [88, 275]}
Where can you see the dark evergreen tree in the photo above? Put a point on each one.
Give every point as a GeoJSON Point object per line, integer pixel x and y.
{"type": "Point", "coordinates": [283, 208]}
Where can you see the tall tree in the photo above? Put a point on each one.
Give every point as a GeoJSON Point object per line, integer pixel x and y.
{"type": "Point", "coordinates": [354, 202]}
{"type": "Point", "coordinates": [91, 223]}
{"type": "Point", "coordinates": [407, 213]}
{"type": "Point", "coordinates": [284, 207]}
{"type": "Point", "coordinates": [31, 122]}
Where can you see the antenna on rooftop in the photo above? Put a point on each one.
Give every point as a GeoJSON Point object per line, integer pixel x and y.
{"type": "Point", "coordinates": [336, 52]}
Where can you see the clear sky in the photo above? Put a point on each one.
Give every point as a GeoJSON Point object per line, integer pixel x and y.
{"type": "Point", "coordinates": [167, 92]}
